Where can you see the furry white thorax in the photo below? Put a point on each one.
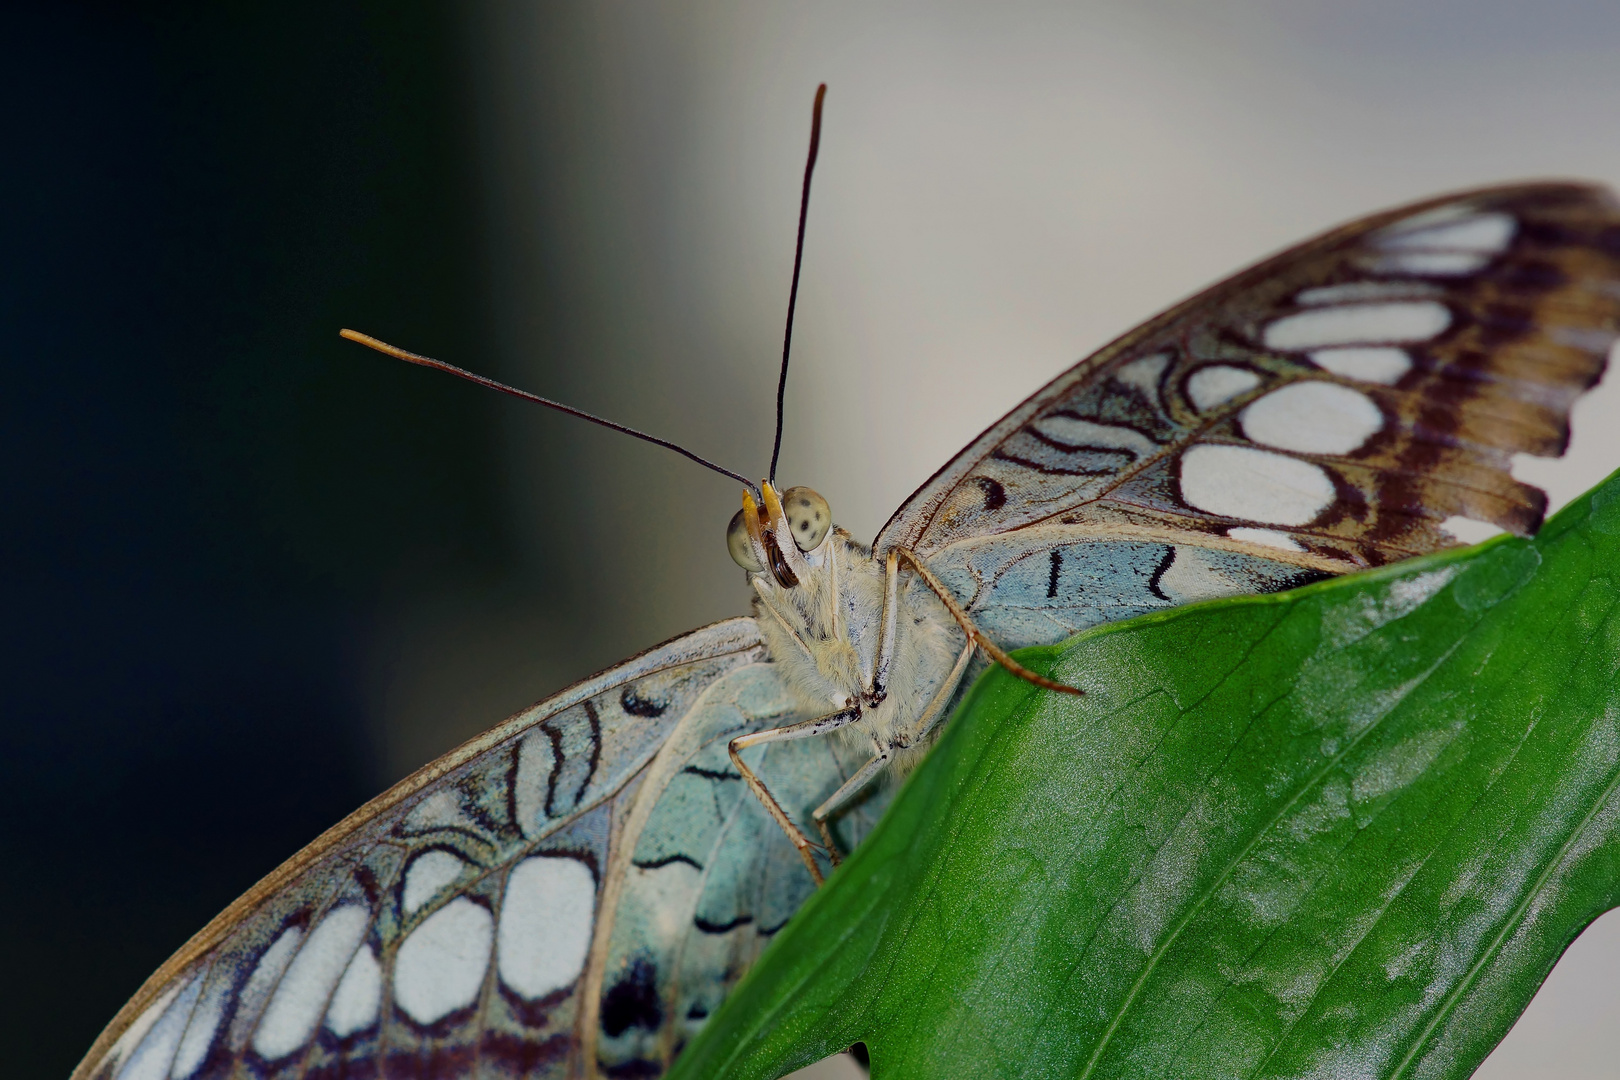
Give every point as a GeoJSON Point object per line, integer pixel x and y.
{"type": "Point", "coordinates": [824, 636]}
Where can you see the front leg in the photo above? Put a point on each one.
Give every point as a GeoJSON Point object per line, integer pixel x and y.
{"type": "Point", "coordinates": [991, 649]}
{"type": "Point", "coordinates": [804, 729]}
{"type": "Point", "coordinates": [878, 689]}
{"type": "Point", "coordinates": [847, 791]}
{"type": "Point", "coordinates": [919, 730]}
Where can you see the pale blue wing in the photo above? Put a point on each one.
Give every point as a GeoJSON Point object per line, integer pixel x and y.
{"type": "Point", "coordinates": [585, 879]}
{"type": "Point", "coordinates": [1337, 406]}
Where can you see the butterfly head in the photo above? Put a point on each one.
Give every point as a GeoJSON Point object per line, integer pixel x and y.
{"type": "Point", "coordinates": [780, 533]}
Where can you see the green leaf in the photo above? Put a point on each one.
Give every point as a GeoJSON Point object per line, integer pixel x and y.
{"type": "Point", "coordinates": [1344, 831]}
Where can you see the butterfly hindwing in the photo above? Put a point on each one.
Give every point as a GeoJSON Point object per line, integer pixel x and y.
{"type": "Point", "coordinates": [710, 878]}
{"type": "Point", "coordinates": [1323, 411]}
{"type": "Point", "coordinates": [586, 879]}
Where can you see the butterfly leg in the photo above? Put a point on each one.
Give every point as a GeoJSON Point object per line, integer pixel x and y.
{"type": "Point", "coordinates": [805, 729]}
{"type": "Point", "coordinates": [991, 649]}
{"type": "Point", "coordinates": [878, 689]}
{"type": "Point", "coordinates": [925, 723]}
{"type": "Point", "coordinates": [873, 694]}
{"type": "Point", "coordinates": [935, 712]}
{"type": "Point", "coordinates": [850, 788]}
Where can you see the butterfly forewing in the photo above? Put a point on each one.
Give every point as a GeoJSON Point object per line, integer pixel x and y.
{"type": "Point", "coordinates": [1335, 403]}
{"type": "Point", "coordinates": [588, 878]}
{"type": "Point", "coordinates": [1329, 409]}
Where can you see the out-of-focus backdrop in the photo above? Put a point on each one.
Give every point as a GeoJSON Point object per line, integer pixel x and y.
{"type": "Point", "coordinates": [252, 574]}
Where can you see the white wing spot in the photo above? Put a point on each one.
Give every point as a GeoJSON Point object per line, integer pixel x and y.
{"type": "Point", "coordinates": [1352, 291]}
{"type": "Point", "coordinates": [1313, 418]}
{"type": "Point", "coordinates": [1353, 324]}
{"type": "Point", "coordinates": [358, 997]}
{"type": "Point", "coordinates": [534, 766]}
{"type": "Point", "coordinates": [1072, 431]}
{"type": "Point", "coordinates": [1382, 364]}
{"type": "Point", "coordinates": [261, 982]}
{"type": "Point", "coordinates": [133, 1035]}
{"type": "Point", "coordinates": [1440, 215]}
{"type": "Point", "coordinates": [200, 1032]}
{"type": "Point", "coordinates": [154, 1055]}
{"type": "Point", "coordinates": [1236, 481]}
{"type": "Point", "coordinates": [439, 810]}
{"type": "Point", "coordinates": [1192, 576]}
{"type": "Point", "coordinates": [1265, 538]}
{"type": "Point", "coordinates": [1485, 233]}
{"type": "Point", "coordinates": [429, 872]}
{"type": "Point", "coordinates": [1430, 263]}
{"type": "Point", "coordinates": [1470, 531]}
{"type": "Point", "coordinates": [1218, 383]}
{"type": "Point", "coordinates": [546, 920]}
{"type": "Point", "coordinates": [300, 998]}
{"type": "Point", "coordinates": [440, 965]}
{"type": "Point", "coordinates": [1144, 374]}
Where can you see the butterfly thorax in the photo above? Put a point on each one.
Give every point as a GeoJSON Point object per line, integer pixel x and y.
{"type": "Point", "coordinates": [825, 634]}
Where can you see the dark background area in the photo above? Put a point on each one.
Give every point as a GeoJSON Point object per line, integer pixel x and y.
{"type": "Point", "coordinates": [206, 493]}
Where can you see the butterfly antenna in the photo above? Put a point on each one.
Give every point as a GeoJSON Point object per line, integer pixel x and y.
{"type": "Point", "coordinates": [427, 361]}
{"type": "Point", "coordinates": [798, 258]}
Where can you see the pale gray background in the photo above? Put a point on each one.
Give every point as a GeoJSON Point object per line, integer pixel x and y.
{"type": "Point", "coordinates": [1002, 189]}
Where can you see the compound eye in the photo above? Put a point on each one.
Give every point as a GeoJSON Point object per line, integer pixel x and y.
{"type": "Point", "coordinates": [737, 542]}
{"type": "Point", "coordinates": [809, 517]}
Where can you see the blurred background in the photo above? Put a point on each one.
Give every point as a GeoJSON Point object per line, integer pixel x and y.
{"type": "Point", "coordinates": [253, 574]}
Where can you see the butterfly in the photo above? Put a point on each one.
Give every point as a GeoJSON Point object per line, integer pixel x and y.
{"type": "Point", "coordinates": [574, 892]}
